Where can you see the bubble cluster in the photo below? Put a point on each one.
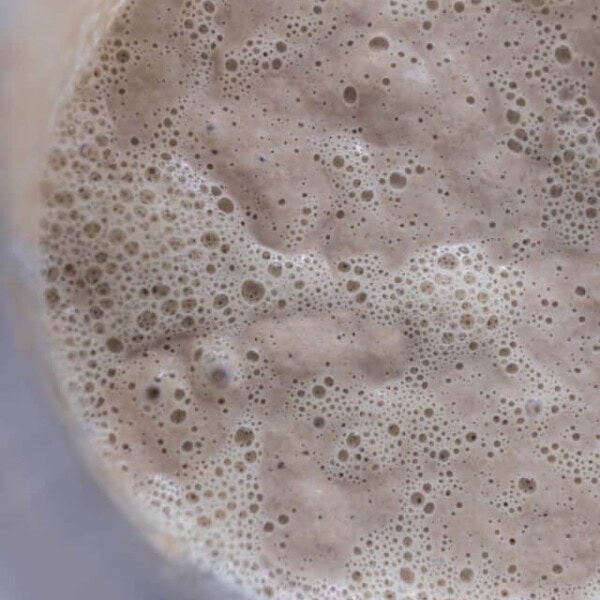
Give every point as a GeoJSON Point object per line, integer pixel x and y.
{"type": "Point", "coordinates": [321, 284]}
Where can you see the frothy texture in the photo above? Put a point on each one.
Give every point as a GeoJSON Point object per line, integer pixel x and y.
{"type": "Point", "coordinates": [322, 281]}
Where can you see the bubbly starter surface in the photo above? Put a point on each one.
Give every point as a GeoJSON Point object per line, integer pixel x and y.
{"type": "Point", "coordinates": [323, 291]}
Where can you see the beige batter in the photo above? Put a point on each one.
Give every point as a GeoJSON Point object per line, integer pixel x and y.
{"type": "Point", "coordinates": [323, 289]}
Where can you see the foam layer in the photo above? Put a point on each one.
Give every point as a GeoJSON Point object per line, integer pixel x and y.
{"type": "Point", "coordinates": [322, 284]}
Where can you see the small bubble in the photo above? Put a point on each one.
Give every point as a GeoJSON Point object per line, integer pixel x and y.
{"type": "Point", "coordinates": [397, 180]}
{"type": "Point", "coordinates": [123, 56]}
{"type": "Point", "coordinates": [513, 117]}
{"type": "Point", "coordinates": [178, 416]}
{"type": "Point", "coordinates": [153, 392]}
{"type": "Point", "coordinates": [379, 43]}
{"type": "Point", "coordinates": [147, 320]}
{"type": "Point", "coordinates": [319, 391]}
{"type": "Point", "coordinates": [407, 575]}
{"type": "Point", "coordinates": [527, 485]}
{"type": "Point", "coordinates": [210, 239]}
{"type": "Point", "coordinates": [114, 345]}
{"type": "Point", "coordinates": [225, 205]}
{"type": "Point", "coordinates": [220, 377]}
{"type": "Point", "coordinates": [52, 297]}
{"type": "Point", "coordinates": [244, 436]}
{"type": "Point", "coordinates": [231, 64]}
{"type": "Point", "coordinates": [252, 291]}
{"type": "Point", "coordinates": [563, 55]}
{"type": "Point", "coordinates": [350, 95]}
{"type": "Point", "coordinates": [448, 261]}
{"type": "Point", "coordinates": [252, 356]}
{"type": "Point", "coordinates": [152, 174]}
{"type": "Point", "coordinates": [416, 499]}
{"type": "Point", "coordinates": [353, 440]}
{"type": "Point", "coordinates": [533, 407]}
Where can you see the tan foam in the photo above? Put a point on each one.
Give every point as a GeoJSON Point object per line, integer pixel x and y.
{"type": "Point", "coordinates": [322, 283]}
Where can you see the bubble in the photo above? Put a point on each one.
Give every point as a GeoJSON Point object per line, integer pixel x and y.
{"type": "Point", "coordinates": [448, 261]}
{"type": "Point", "coordinates": [123, 56]}
{"type": "Point", "coordinates": [253, 291]}
{"type": "Point", "coordinates": [153, 174]}
{"type": "Point", "coordinates": [533, 407]}
{"type": "Point", "coordinates": [92, 229]}
{"type": "Point", "coordinates": [225, 205]}
{"type": "Point", "coordinates": [350, 95]}
{"type": "Point", "coordinates": [563, 55]}
{"type": "Point", "coordinates": [416, 499]}
{"type": "Point", "coordinates": [397, 180]}
{"type": "Point", "coordinates": [407, 575]}
{"type": "Point", "coordinates": [114, 345]}
{"type": "Point", "coordinates": [52, 297]}
{"type": "Point", "coordinates": [210, 239]}
{"type": "Point", "coordinates": [221, 301]}
{"type": "Point", "coordinates": [467, 321]}
{"type": "Point", "coordinates": [353, 440]}
{"type": "Point", "coordinates": [318, 391]}
{"type": "Point", "coordinates": [527, 485]}
{"type": "Point", "coordinates": [231, 64]}
{"type": "Point", "coordinates": [147, 320]}
{"type": "Point", "coordinates": [244, 436]}
{"type": "Point", "coordinates": [153, 392]}
{"type": "Point", "coordinates": [513, 116]}
{"type": "Point", "coordinates": [379, 43]}
{"type": "Point", "coordinates": [178, 416]}
{"type": "Point", "coordinates": [204, 521]}
{"type": "Point", "coordinates": [252, 356]}
{"type": "Point", "coordinates": [515, 145]}
{"type": "Point", "coordinates": [394, 430]}
{"type": "Point", "coordinates": [220, 376]}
